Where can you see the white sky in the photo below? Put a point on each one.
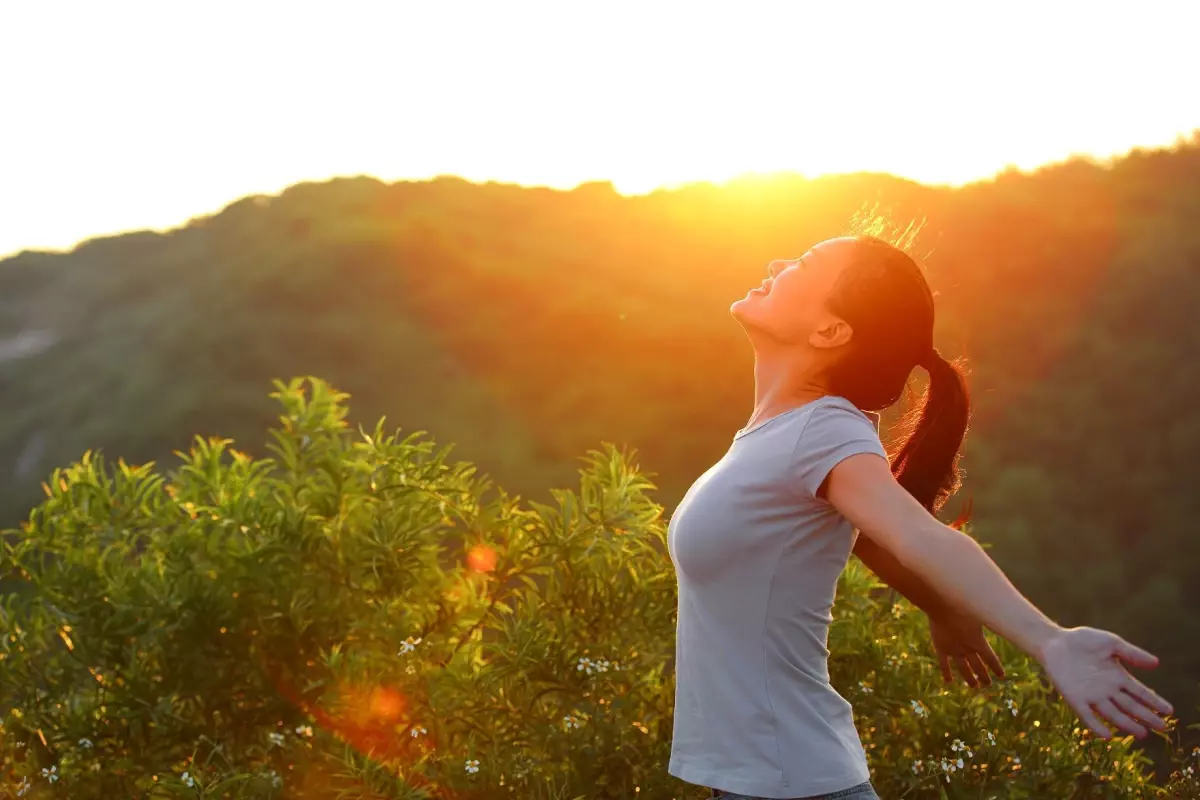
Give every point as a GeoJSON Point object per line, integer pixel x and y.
{"type": "Point", "coordinates": [119, 115]}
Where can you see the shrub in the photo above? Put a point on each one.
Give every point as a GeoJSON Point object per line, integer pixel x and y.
{"type": "Point", "coordinates": [361, 617]}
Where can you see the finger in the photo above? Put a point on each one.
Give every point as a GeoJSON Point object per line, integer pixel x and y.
{"type": "Point", "coordinates": [992, 660]}
{"type": "Point", "coordinates": [977, 672]}
{"type": "Point", "coordinates": [947, 675]}
{"type": "Point", "coordinates": [1145, 695]}
{"type": "Point", "coordinates": [1134, 656]}
{"type": "Point", "coordinates": [981, 673]}
{"type": "Point", "coordinates": [1139, 712]}
{"type": "Point", "coordinates": [1108, 709]}
{"type": "Point", "coordinates": [964, 669]}
{"type": "Point", "coordinates": [1089, 717]}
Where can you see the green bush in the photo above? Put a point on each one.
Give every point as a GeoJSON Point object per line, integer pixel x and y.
{"type": "Point", "coordinates": [361, 617]}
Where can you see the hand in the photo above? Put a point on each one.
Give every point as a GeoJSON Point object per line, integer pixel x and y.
{"type": "Point", "coordinates": [959, 638]}
{"type": "Point", "coordinates": [1086, 666]}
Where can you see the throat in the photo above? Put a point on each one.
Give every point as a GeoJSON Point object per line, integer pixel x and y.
{"type": "Point", "coordinates": [784, 378]}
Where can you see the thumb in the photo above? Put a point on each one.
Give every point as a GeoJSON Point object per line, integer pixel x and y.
{"type": "Point", "coordinates": [1133, 655]}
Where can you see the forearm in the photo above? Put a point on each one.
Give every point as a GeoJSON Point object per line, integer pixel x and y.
{"type": "Point", "coordinates": [957, 569]}
{"type": "Point", "coordinates": [899, 577]}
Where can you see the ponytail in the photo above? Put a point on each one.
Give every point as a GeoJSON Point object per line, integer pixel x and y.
{"type": "Point", "coordinates": [883, 296]}
{"type": "Point", "coordinates": [926, 463]}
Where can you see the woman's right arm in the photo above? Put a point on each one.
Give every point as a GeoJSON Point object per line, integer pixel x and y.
{"type": "Point", "coordinates": [1084, 663]}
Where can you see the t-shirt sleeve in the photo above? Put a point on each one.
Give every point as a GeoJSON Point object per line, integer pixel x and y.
{"type": "Point", "coordinates": [833, 433]}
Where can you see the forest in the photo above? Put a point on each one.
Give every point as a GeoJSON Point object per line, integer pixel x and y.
{"type": "Point", "coordinates": [528, 326]}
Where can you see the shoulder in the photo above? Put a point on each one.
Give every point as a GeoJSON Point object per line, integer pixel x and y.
{"type": "Point", "coordinates": [834, 431]}
{"type": "Point", "coordinates": [837, 413]}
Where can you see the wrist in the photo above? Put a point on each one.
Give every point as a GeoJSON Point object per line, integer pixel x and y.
{"type": "Point", "coordinates": [939, 611]}
{"type": "Point", "coordinates": [1040, 637]}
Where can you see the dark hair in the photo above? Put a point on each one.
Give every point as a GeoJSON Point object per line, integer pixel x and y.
{"type": "Point", "coordinates": [885, 299]}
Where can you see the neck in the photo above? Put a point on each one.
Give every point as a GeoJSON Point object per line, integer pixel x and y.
{"type": "Point", "coordinates": [784, 378]}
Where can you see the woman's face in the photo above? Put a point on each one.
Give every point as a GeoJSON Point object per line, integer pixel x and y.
{"type": "Point", "coordinates": [790, 306]}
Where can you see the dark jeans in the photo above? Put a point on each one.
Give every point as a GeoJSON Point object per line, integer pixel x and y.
{"type": "Point", "coordinates": [861, 792]}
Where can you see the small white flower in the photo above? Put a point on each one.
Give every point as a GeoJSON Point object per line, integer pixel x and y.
{"type": "Point", "coordinates": [50, 774]}
{"type": "Point", "coordinates": [304, 730]}
{"type": "Point", "coordinates": [418, 731]}
{"type": "Point", "coordinates": [918, 708]}
{"type": "Point", "coordinates": [188, 780]}
{"type": "Point", "coordinates": [23, 787]}
{"type": "Point", "coordinates": [991, 738]}
{"type": "Point", "coordinates": [591, 667]}
{"type": "Point", "coordinates": [276, 739]}
{"type": "Point", "coordinates": [275, 779]}
{"type": "Point", "coordinates": [1011, 706]}
{"type": "Point", "coordinates": [410, 670]}
{"type": "Point", "coordinates": [571, 721]}
{"type": "Point", "coordinates": [864, 688]}
{"type": "Point", "coordinates": [86, 744]}
{"type": "Point", "coordinates": [916, 766]}
{"type": "Point", "coordinates": [408, 645]}
{"type": "Point", "coordinates": [1016, 760]}
{"type": "Point", "coordinates": [472, 766]}
{"type": "Point", "coordinates": [960, 763]}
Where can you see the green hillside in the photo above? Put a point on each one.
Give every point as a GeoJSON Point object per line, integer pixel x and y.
{"type": "Point", "coordinates": [530, 325]}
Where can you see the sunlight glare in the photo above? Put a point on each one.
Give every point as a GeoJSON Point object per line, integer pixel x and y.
{"type": "Point", "coordinates": [143, 115]}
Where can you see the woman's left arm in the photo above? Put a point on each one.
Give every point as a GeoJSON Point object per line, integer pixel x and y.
{"type": "Point", "coordinates": [957, 636]}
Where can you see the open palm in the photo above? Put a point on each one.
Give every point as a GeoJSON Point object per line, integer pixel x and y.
{"type": "Point", "coordinates": [1087, 667]}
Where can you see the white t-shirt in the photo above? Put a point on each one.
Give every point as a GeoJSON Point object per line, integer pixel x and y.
{"type": "Point", "coordinates": [757, 556]}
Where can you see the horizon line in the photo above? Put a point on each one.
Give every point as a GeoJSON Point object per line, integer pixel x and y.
{"type": "Point", "coordinates": [1105, 162]}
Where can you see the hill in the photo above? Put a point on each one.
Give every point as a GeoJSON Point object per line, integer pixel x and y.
{"type": "Point", "coordinates": [529, 325]}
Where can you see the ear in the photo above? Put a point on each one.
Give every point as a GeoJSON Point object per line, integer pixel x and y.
{"type": "Point", "coordinates": [832, 332]}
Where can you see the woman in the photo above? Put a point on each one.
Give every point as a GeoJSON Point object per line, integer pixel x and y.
{"type": "Point", "coordinates": [759, 540]}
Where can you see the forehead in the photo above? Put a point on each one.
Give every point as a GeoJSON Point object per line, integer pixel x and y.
{"type": "Point", "coordinates": [831, 250]}
{"type": "Point", "coordinates": [827, 259]}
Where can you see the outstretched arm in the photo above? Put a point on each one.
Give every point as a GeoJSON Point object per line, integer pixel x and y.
{"type": "Point", "coordinates": [957, 636]}
{"type": "Point", "coordinates": [1085, 664]}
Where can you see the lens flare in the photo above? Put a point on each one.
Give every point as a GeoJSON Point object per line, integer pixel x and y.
{"type": "Point", "coordinates": [481, 558]}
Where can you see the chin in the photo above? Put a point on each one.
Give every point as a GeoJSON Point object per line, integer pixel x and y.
{"type": "Point", "coordinates": [741, 309]}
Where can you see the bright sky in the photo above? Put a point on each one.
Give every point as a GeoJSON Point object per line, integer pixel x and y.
{"type": "Point", "coordinates": [119, 115]}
